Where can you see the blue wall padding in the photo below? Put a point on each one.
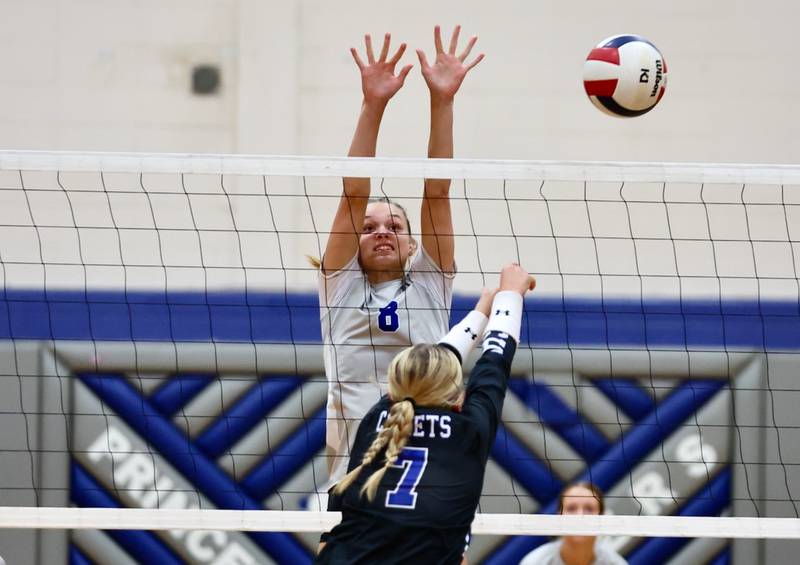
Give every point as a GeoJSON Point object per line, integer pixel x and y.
{"type": "Point", "coordinates": [722, 558]}
{"type": "Point", "coordinates": [712, 499]}
{"type": "Point", "coordinates": [526, 469]}
{"type": "Point", "coordinates": [637, 442]}
{"type": "Point", "coordinates": [288, 458]}
{"type": "Point", "coordinates": [178, 391]}
{"type": "Point", "coordinates": [580, 434]}
{"type": "Point", "coordinates": [159, 432]}
{"type": "Point", "coordinates": [142, 546]}
{"type": "Point", "coordinates": [76, 557]}
{"type": "Point", "coordinates": [628, 395]}
{"type": "Point", "coordinates": [293, 317]}
{"type": "Point", "coordinates": [248, 410]}
{"type": "Point", "coordinates": [156, 316]}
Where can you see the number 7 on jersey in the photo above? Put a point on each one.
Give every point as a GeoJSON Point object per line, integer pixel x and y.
{"type": "Point", "coordinates": [413, 461]}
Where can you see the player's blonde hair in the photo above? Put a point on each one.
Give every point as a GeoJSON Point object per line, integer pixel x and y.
{"type": "Point", "coordinates": [422, 375]}
{"type": "Point", "coordinates": [316, 262]}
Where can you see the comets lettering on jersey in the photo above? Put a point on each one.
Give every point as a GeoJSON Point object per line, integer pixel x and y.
{"type": "Point", "coordinates": [425, 425]}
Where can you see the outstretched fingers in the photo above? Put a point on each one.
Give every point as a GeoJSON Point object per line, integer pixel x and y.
{"type": "Point", "coordinates": [357, 58]}
{"type": "Point", "coordinates": [477, 60]}
{"type": "Point", "coordinates": [382, 56]}
{"type": "Point", "coordinates": [465, 53]}
{"type": "Point", "coordinates": [370, 53]}
{"type": "Point", "coordinates": [402, 49]}
{"type": "Point", "coordinates": [385, 49]}
{"type": "Point", "coordinates": [454, 40]}
{"type": "Point", "coordinates": [423, 60]}
{"type": "Point", "coordinates": [403, 72]}
{"type": "Point", "coordinates": [437, 39]}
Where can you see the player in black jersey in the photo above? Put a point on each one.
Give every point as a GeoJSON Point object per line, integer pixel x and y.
{"type": "Point", "coordinates": [417, 466]}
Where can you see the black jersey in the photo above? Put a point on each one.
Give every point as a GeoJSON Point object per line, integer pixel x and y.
{"type": "Point", "coordinates": [426, 502]}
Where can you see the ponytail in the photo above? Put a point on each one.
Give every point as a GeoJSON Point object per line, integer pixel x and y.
{"type": "Point", "coordinates": [400, 424]}
{"type": "Point", "coordinates": [314, 261]}
{"type": "Point", "coordinates": [425, 374]}
{"type": "Point", "coordinates": [395, 433]}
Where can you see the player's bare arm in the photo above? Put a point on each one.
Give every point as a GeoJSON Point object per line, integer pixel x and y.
{"type": "Point", "coordinates": [380, 81]}
{"type": "Point", "coordinates": [444, 77]}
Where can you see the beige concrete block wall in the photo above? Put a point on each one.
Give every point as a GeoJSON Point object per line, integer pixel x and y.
{"type": "Point", "coordinates": [85, 74]}
{"type": "Point", "coordinates": [91, 75]}
{"type": "Point", "coordinates": [115, 76]}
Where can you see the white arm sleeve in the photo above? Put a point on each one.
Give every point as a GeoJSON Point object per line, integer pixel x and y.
{"type": "Point", "coordinates": [464, 335]}
{"type": "Point", "coordinates": [506, 314]}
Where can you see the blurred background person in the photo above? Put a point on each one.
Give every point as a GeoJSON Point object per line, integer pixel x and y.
{"type": "Point", "coordinates": [578, 499]}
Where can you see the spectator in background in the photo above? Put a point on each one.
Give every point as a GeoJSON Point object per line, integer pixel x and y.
{"type": "Point", "coordinates": [582, 498]}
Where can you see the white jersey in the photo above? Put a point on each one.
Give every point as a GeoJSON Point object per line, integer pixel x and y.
{"type": "Point", "coordinates": [550, 554]}
{"type": "Point", "coordinates": [363, 327]}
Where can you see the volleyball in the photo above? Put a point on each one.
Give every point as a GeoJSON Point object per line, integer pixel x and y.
{"type": "Point", "coordinates": [625, 76]}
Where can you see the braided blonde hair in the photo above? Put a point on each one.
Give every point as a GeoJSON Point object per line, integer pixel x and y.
{"type": "Point", "coordinates": [423, 375]}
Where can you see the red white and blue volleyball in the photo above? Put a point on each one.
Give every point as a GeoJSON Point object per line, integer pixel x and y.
{"type": "Point", "coordinates": [625, 76]}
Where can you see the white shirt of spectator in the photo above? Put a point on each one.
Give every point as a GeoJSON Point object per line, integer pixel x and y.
{"type": "Point", "coordinates": [550, 554]}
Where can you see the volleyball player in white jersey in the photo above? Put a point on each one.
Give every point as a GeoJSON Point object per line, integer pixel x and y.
{"type": "Point", "coordinates": [380, 290]}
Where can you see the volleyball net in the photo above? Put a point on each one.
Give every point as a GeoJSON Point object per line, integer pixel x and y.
{"type": "Point", "coordinates": [163, 390]}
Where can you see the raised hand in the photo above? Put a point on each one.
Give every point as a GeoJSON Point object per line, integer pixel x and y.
{"type": "Point", "coordinates": [378, 79]}
{"type": "Point", "coordinates": [514, 277]}
{"type": "Point", "coordinates": [447, 73]}
{"type": "Point", "coordinates": [484, 305]}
